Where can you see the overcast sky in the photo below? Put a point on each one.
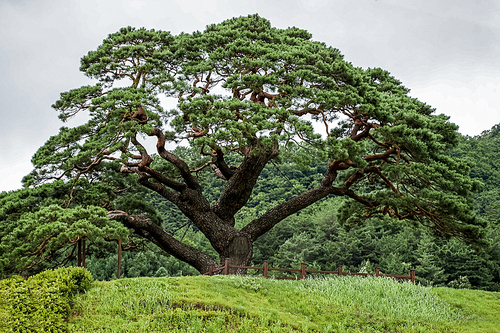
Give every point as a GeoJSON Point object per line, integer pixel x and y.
{"type": "Point", "coordinates": [446, 51]}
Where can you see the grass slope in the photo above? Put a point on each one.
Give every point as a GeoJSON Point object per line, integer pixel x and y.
{"type": "Point", "coordinates": [245, 304]}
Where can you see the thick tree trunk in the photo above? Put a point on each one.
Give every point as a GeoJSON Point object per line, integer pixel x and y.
{"type": "Point", "coordinates": [234, 245]}
{"type": "Point", "coordinates": [239, 251]}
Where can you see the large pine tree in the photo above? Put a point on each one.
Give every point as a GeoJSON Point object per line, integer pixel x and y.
{"type": "Point", "coordinates": [248, 94]}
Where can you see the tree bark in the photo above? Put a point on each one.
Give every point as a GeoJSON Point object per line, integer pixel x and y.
{"type": "Point", "coordinates": [147, 229]}
{"type": "Point", "coordinates": [240, 251]}
{"type": "Point", "coordinates": [240, 185]}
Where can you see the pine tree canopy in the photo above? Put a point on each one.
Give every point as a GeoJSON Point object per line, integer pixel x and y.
{"type": "Point", "coordinates": [246, 94]}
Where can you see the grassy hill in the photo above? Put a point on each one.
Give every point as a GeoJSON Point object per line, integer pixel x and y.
{"type": "Point", "coordinates": [246, 304]}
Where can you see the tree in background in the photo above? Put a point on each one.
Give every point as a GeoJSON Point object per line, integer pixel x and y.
{"type": "Point", "coordinates": [42, 227]}
{"type": "Point", "coordinates": [248, 95]}
{"type": "Point", "coordinates": [484, 150]}
{"type": "Point", "coordinates": [39, 230]}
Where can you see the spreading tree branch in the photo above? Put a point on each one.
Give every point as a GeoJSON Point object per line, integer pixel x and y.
{"type": "Point", "coordinates": [182, 166]}
{"type": "Point", "coordinates": [149, 230]}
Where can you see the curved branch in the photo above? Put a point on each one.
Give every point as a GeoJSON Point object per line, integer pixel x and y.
{"type": "Point", "coordinates": [202, 167]}
{"type": "Point", "coordinates": [147, 229]}
{"type": "Point", "coordinates": [175, 185]}
{"type": "Point", "coordinates": [157, 187]}
{"type": "Point", "coordinates": [386, 180]}
{"type": "Point", "coordinates": [306, 111]}
{"type": "Point", "coordinates": [225, 170]}
{"type": "Point", "coordinates": [364, 201]}
{"type": "Point", "coordinates": [260, 226]}
{"type": "Point", "coordinates": [269, 219]}
{"type": "Point", "coordinates": [383, 156]}
{"type": "Point", "coordinates": [146, 160]}
{"type": "Point", "coordinates": [182, 166]}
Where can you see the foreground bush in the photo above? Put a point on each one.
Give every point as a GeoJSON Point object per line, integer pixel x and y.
{"type": "Point", "coordinates": [41, 303]}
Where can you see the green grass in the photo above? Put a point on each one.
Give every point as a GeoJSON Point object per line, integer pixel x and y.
{"type": "Point", "coordinates": [481, 308]}
{"type": "Point", "coordinates": [245, 304]}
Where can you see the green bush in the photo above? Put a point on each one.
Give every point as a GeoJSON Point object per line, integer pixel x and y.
{"type": "Point", "coordinates": [70, 280]}
{"type": "Point", "coordinates": [40, 303]}
{"type": "Point", "coordinates": [461, 283]}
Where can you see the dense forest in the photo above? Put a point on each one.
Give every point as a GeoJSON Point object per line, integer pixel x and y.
{"type": "Point", "coordinates": [318, 235]}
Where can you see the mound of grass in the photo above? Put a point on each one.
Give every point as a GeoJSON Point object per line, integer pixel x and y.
{"type": "Point", "coordinates": [246, 304]}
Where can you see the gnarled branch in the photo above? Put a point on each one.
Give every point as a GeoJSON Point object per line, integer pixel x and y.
{"type": "Point", "coordinates": [147, 229]}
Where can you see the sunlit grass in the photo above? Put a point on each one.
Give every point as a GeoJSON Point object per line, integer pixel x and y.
{"type": "Point", "coordinates": [482, 308]}
{"type": "Point", "coordinates": [246, 304]}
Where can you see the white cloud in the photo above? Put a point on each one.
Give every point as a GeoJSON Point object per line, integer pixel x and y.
{"type": "Point", "coordinates": [137, 4]}
{"type": "Point", "coordinates": [15, 170]}
{"type": "Point", "coordinates": [201, 10]}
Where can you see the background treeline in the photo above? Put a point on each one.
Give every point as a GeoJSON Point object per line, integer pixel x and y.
{"type": "Point", "coordinates": [320, 236]}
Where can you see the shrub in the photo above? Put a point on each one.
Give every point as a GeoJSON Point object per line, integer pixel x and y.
{"type": "Point", "coordinates": [70, 280]}
{"type": "Point", "coordinates": [461, 283]}
{"type": "Point", "coordinates": [41, 303]}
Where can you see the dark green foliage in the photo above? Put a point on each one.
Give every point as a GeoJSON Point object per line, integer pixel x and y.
{"type": "Point", "coordinates": [137, 263]}
{"type": "Point", "coordinates": [13, 204]}
{"type": "Point", "coordinates": [37, 233]}
{"type": "Point", "coordinates": [53, 232]}
{"type": "Point", "coordinates": [484, 150]}
{"type": "Point", "coordinates": [41, 303]}
{"type": "Point", "coordinates": [139, 203]}
{"type": "Point", "coordinates": [427, 268]}
{"type": "Point", "coordinates": [316, 238]}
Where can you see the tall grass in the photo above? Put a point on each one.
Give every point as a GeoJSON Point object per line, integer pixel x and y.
{"type": "Point", "coordinates": [246, 304]}
{"type": "Point", "coordinates": [384, 296]}
{"type": "Point", "coordinates": [126, 298]}
{"type": "Point", "coordinates": [369, 297]}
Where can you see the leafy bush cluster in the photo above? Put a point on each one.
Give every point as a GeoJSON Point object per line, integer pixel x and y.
{"type": "Point", "coordinates": [461, 283]}
{"type": "Point", "coordinates": [41, 303]}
